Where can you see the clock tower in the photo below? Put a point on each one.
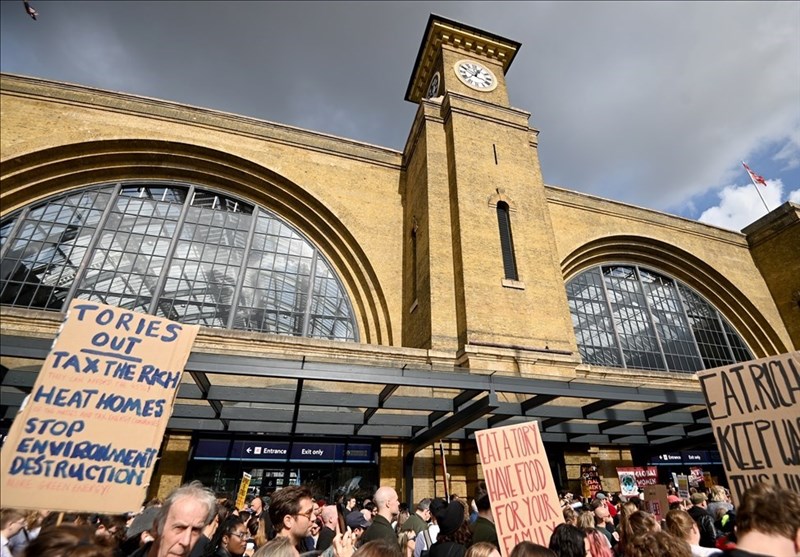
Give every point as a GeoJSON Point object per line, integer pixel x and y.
{"type": "Point", "coordinates": [480, 266]}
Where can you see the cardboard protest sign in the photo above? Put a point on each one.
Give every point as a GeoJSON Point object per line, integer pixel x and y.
{"type": "Point", "coordinates": [520, 484]}
{"type": "Point", "coordinates": [655, 501]}
{"type": "Point", "coordinates": [87, 437]}
{"type": "Point", "coordinates": [243, 487]}
{"type": "Point", "coordinates": [590, 481]}
{"type": "Point", "coordinates": [755, 414]}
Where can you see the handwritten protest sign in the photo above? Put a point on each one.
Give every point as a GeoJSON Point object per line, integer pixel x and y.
{"type": "Point", "coordinates": [520, 484]}
{"type": "Point", "coordinates": [87, 437]}
{"type": "Point", "coordinates": [755, 414]}
{"type": "Point", "coordinates": [243, 487]}
{"type": "Point", "coordinates": [590, 481]}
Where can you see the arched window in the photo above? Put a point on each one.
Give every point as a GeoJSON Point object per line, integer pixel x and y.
{"type": "Point", "coordinates": [189, 254]}
{"type": "Point", "coordinates": [628, 316]}
{"type": "Point", "coordinates": [506, 241]}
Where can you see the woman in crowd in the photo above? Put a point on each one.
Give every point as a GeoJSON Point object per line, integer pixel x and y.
{"type": "Point", "coordinates": [598, 543]}
{"type": "Point", "coordinates": [454, 532]}
{"type": "Point", "coordinates": [680, 524]}
{"type": "Point", "coordinates": [658, 544]}
{"type": "Point", "coordinates": [530, 549]}
{"type": "Point", "coordinates": [569, 541]}
{"type": "Point", "coordinates": [230, 539]}
{"type": "Point", "coordinates": [378, 548]}
{"type": "Point", "coordinates": [634, 527]}
{"type": "Point", "coordinates": [485, 549]}
{"type": "Point", "coordinates": [68, 540]}
{"type": "Point", "coordinates": [279, 547]}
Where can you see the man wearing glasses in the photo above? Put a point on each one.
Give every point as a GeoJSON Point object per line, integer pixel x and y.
{"type": "Point", "coordinates": [291, 511]}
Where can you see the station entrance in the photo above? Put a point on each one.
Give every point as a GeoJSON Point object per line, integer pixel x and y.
{"type": "Point", "coordinates": [328, 469]}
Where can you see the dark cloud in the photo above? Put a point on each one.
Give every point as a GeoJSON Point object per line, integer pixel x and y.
{"type": "Point", "coordinates": [653, 103]}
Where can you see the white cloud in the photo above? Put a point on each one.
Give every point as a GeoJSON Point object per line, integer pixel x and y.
{"type": "Point", "coordinates": [740, 206]}
{"type": "Point", "coordinates": [794, 196]}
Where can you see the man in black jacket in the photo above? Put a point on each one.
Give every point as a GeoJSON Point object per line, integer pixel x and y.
{"type": "Point", "coordinates": [705, 523]}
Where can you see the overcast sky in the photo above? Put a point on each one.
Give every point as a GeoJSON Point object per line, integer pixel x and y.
{"type": "Point", "coordinates": [650, 103]}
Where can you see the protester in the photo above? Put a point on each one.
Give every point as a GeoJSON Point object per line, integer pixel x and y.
{"type": "Point", "coordinates": [598, 544]}
{"type": "Point", "coordinates": [357, 524]}
{"type": "Point", "coordinates": [633, 528]}
{"type": "Point", "coordinates": [279, 547]}
{"type": "Point", "coordinates": [11, 523]}
{"type": "Point", "coordinates": [705, 522]}
{"type": "Point", "coordinates": [483, 528]}
{"type": "Point", "coordinates": [291, 511]}
{"type": "Point", "coordinates": [428, 537]}
{"type": "Point", "coordinates": [379, 548]}
{"type": "Point", "coordinates": [140, 531]}
{"type": "Point", "coordinates": [767, 523]}
{"type": "Point", "coordinates": [657, 544]}
{"type": "Point", "coordinates": [230, 539]}
{"type": "Point", "coordinates": [388, 506]}
{"type": "Point", "coordinates": [454, 532]}
{"type": "Point", "coordinates": [28, 533]}
{"type": "Point", "coordinates": [67, 541]}
{"type": "Point", "coordinates": [530, 549]}
{"type": "Point", "coordinates": [569, 541]}
{"type": "Point", "coordinates": [180, 521]}
{"type": "Point", "coordinates": [419, 520]}
{"type": "Point", "coordinates": [484, 549]}
{"type": "Point", "coordinates": [680, 524]}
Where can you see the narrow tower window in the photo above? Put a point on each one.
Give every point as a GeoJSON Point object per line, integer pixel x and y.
{"type": "Point", "coordinates": [506, 241]}
{"type": "Point", "coordinates": [414, 261]}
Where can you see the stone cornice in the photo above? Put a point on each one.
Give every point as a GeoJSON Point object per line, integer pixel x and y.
{"type": "Point", "coordinates": [586, 202]}
{"type": "Point", "coordinates": [78, 95]}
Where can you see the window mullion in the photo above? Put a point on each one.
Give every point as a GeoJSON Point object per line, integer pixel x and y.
{"type": "Point", "coordinates": [243, 268]}
{"type": "Point", "coordinates": [158, 290]}
{"type": "Point", "coordinates": [307, 313]}
{"type": "Point", "coordinates": [611, 316]}
{"type": "Point", "coordinates": [98, 232]}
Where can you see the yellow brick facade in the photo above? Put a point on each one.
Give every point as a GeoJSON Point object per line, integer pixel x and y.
{"type": "Point", "coordinates": [362, 205]}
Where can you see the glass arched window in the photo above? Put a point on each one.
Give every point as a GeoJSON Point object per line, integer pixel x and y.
{"type": "Point", "coordinates": [506, 241]}
{"type": "Point", "coordinates": [629, 316]}
{"type": "Point", "coordinates": [174, 250]}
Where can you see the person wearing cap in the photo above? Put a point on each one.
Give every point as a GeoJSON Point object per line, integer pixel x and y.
{"type": "Point", "coordinates": [358, 524]}
{"type": "Point", "coordinates": [454, 534]}
{"type": "Point", "coordinates": [419, 520]}
{"type": "Point", "coordinates": [705, 522]}
{"type": "Point", "coordinates": [387, 504]}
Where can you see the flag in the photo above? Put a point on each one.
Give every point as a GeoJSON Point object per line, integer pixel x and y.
{"type": "Point", "coordinates": [755, 177]}
{"type": "Point", "coordinates": [30, 11]}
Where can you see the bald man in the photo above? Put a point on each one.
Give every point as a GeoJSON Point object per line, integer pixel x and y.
{"type": "Point", "coordinates": [388, 506]}
{"type": "Point", "coordinates": [330, 519]}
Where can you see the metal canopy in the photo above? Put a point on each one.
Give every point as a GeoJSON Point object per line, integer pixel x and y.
{"type": "Point", "coordinates": [245, 394]}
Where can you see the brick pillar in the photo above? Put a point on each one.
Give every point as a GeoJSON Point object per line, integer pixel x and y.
{"type": "Point", "coordinates": [171, 465]}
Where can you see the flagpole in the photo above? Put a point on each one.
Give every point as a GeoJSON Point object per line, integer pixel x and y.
{"type": "Point", "coordinates": [752, 181]}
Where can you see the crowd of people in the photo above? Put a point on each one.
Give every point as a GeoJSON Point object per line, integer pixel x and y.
{"type": "Point", "coordinates": [193, 522]}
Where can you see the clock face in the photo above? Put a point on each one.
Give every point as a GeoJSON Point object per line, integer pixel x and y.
{"type": "Point", "coordinates": [433, 88]}
{"type": "Point", "coordinates": [475, 75]}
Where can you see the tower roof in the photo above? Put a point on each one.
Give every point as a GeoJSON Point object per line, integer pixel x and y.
{"type": "Point", "coordinates": [440, 31]}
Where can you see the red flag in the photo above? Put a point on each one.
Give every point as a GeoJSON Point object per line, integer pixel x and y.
{"type": "Point", "coordinates": [755, 177]}
{"type": "Point", "coordinates": [30, 11]}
